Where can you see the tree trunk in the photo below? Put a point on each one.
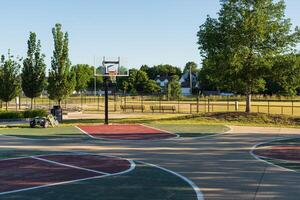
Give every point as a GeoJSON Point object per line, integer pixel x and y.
{"type": "Point", "coordinates": [59, 103]}
{"type": "Point", "coordinates": [248, 103]}
{"type": "Point", "coordinates": [31, 103]}
{"type": "Point", "coordinates": [6, 103]}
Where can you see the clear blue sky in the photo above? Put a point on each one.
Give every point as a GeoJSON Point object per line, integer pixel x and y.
{"type": "Point", "coordinates": [140, 31]}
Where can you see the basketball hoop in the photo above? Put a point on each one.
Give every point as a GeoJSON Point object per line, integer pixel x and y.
{"type": "Point", "coordinates": [113, 75]}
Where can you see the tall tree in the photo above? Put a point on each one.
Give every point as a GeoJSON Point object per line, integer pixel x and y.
{"type": "Point", "coordinates": [138, 81]}
{"type": "Point", "coordinates": [84, 73]}
{"type": "Point", "coordinates": [61, 79]}
{"type": "Point", "coordinates": [33, 72]}
{"type": "Point", "coordinates": [174, 88]}
{"type": "Point", "coordinates": [9, 79]}
{"type": "Point", "coordinates": [242, 43]}
{"type": "Point", "coordinates": [190, 65]}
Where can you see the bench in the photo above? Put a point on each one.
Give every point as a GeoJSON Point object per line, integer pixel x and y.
{"type": "Point", "coordinates": [132, 107]}
{"type": "Point", "coordinates": [163, 108]}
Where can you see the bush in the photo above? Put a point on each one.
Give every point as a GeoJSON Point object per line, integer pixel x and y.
{"type": "Point", "coordinates": [11, 115]}
{"type": "Point", "coordinates": [35, 113]}
{"type": "Point", "coordinates": [22, 114]}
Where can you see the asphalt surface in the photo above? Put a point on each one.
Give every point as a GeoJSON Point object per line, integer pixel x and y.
{"type": "Point", "coordinates": [221, 166]}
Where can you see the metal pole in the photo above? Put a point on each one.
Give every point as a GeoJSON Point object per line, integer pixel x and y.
{"type": "Point", "coordinates": [106, 100]}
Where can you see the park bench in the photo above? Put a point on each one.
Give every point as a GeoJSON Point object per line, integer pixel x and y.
{"type": "Point", "coordinates": [132, 107]}
{"type": "Point", "coordinates": [163, 108]}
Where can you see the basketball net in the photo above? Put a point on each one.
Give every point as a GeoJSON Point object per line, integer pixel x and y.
{"type": "Point", "coordinates": [113, 75]}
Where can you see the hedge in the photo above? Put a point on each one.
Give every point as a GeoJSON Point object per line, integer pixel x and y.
{"type": "Point", "coordinates": [22, 114]}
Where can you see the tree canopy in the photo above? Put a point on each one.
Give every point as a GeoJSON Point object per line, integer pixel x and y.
{"type": "Point", "coordinates": [84, 74]}
{"type": "Point", "coordinates": [9, 79]}
{"type": "Point", "coordinates": [33, 72]}
{"type": "Point", "coordinates": [240, 46]}
{"type": "Point", "coordinates": [61, 79]}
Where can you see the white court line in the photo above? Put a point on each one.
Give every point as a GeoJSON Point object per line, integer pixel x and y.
{"type": "Point", "coordinates": [191, 183]}
{"type": "Point", "coordinates": [265, 161]}
{"type": "Point", "coordinates": [158, 129]}
{"type": "Point", "coordinates": [119, 140]}
{"type": "Point", "coordinates": [132, 167]}
{"type": "Point", "coordinates": [67, 165]}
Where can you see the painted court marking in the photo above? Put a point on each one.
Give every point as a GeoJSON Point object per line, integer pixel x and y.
{"type": "Point", "coordinates": [103, 174]}
{"type": "Point", "coordinates": [191, 183]}
{"type": "Point", "coordinates": [102, 137]}
{"type": "Point", "coordinates": [260, 158]}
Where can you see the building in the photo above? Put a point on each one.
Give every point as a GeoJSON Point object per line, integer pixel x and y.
{"type": "Point", "coordinates": [186, 84]}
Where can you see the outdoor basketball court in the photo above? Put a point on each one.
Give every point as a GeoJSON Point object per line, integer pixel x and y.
{"type": "Point", "coordinates": [245, 163]}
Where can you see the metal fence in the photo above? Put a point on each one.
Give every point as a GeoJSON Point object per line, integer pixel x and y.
{"type": "Point", "coordinates": [160, 104]}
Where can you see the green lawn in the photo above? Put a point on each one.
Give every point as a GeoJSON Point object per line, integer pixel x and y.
{"type": "Point", "coordinates": [145, 182]}
{"type": "Point", "coordinates": [48, 133]}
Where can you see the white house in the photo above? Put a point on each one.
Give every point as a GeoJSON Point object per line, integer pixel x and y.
{"type": "Point", "coordinates": [162, 81]}
{"type": "Point", "coordinates": [186, 84]}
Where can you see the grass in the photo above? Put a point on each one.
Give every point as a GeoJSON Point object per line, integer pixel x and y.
{"type": "Point", "coordinates": [49, 133]}
{"type": "Point", "coordinates": [238, 118]}
{"type": "Point", "coordinates": [145, 182]}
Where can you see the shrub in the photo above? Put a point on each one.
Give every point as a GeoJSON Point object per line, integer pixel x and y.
{"type": "Point", "coordinates": [35, 113]}
{"type": "Point", "coordinates": [22, 114]}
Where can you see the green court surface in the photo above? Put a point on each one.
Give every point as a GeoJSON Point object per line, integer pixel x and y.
{"type": "Point", "coordinates": [192, 130]}
{"type": "Point", "coordinates": [64, 132]}
{"type": "Point", "coordinates": [144, 182]}
{"type": "Point", "coordinates": [41, 133]}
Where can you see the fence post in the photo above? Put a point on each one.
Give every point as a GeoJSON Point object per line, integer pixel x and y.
{"type": "Point", "coordinates": [227, 103]}
{"type": "Point", "coordinates": [142, 103]}
{"type": "Point", "coordinates": [208, 102]}
{"type": "Point", "coordinates": [98, 102]}
{"type": "Point", "coordinates": [197, 104]}
{"type": "Point", "coordinates": [236, 106]}
{"type": "Point", "coordinates": [178, 103]}
{"type": "Point", "coordinates": [292, 107]}
{"type": "Point", "coordinates": [268, 106]}
{"type": "Point", "coordinates": [115, 102]}
{"type": "Point", "coordinates": [204, 105]}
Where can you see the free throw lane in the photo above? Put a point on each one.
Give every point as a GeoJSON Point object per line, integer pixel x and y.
{"type": "Point", "coordinates": [126, 132]}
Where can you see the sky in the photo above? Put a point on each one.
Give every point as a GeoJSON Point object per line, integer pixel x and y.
{"type": "Point", "coordinates": [139, 31]}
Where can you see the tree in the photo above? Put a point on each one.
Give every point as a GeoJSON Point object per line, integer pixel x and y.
{"type": "Point", "coordinates": [152, 87]}
{"type": "Point", "coordinates": [33, 72]}
{"type": "Point", "coordinates": [84, 73]}
{"type": "Point", "coordinates": [174, 88]}
{"type": "Point", "coordinates": [190, 65]}
{"type": "Point", "coordinates": [240, 46]}
{"type": "Point", "coordinates": [9, 79]}
{"type": "Point", "coordinates": [61, 79]}
{"type": "Point", "coordinates": [161, 70]}
{"type": "Point", "coordinates": [138, 81]}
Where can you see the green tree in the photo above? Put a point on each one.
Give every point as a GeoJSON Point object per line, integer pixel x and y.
{"type": "Point", "coordinates": [174, 88]}
{"type": "Point", "coordinates": [33, 72]}
{"type": "Point", "coordinates": [242, 43]}
{"type": "Point", "coordinates": [190, 65]}
{"type": "Point", "coordinates": [152, 87]}
{"type": "Point", "coordinates": [84, 73]}
{"type": "Point", "coordinates": [9, 79]}
{"type": "Point", "coordinates": [61, 79]}
{"type": "Point", "coordinates": [138, 81]}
